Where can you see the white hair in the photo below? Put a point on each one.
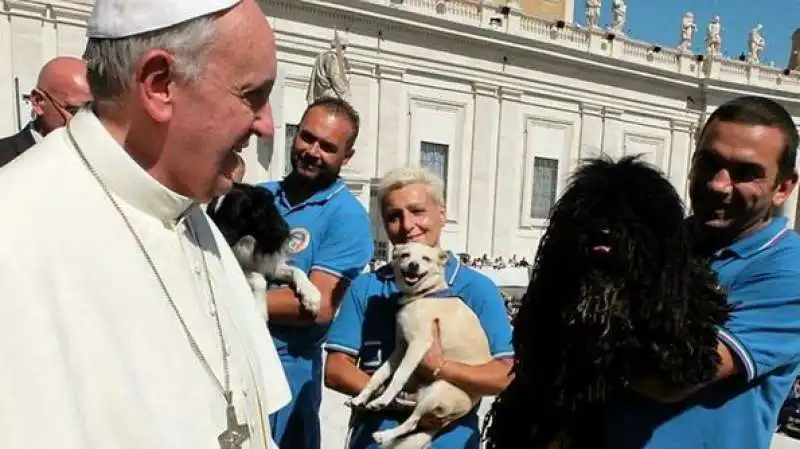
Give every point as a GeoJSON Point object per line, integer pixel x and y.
{"type": "Point", "coordinates": [401, 177]}
{"type": "Point", "coordinates": [111, 62]}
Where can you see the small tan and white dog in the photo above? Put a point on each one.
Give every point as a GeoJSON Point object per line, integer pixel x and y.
{"type": "Point", "coordinates": [419, 271]}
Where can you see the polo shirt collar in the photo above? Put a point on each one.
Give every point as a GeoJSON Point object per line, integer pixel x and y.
{"type": "Point", "coordinates": [451, 270]}
{"type": "Point", "coordinates": [121, 174]}
{"type": "Point", "coordinates": [762, 239]}
{"type": "Point", "coordinates": [320, 197]}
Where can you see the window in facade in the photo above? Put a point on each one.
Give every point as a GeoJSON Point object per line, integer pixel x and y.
{"type": "Point", "coordinates": [433, 156]}
{"type": "Point", "coordinates": [545, 183]}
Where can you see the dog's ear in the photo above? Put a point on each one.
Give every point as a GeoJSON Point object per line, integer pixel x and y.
{"type": "Point", "coordinates": [442, 257]}
{"type": "Point", "coordinates": [244, 248]}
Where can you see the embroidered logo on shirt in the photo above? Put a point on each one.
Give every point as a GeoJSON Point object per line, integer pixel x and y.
{"type": "Point", "coordinates": [299, 239]}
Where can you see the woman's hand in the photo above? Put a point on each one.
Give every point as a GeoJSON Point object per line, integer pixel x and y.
{"type": "Point", "coordinates": [434, 359]}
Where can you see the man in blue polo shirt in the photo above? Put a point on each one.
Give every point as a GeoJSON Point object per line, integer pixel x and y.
{"type": "Point", "coordinates": [331, 241]}
{"type": "Point", "coordinates": [742, 171]}
{"type": "Point", "coordinates": [362, 335]}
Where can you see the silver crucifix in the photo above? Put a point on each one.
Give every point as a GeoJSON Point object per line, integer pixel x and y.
{"type": "Point", "coordinates": [235, 434]}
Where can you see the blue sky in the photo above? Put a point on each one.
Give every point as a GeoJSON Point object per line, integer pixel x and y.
{"type": "Point", "coordinates": [658, 21]}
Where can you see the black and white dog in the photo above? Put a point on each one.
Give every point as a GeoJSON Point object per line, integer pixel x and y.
{"type": "Point", "coordinates": [258, 235]}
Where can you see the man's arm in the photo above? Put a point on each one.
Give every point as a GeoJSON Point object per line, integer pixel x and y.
{"type": "Point", "coordinates": [760, 335]}
{"type": "Point", "coordinates": [655, 390]}
{"type": "Point", "coordinates": [343, 375]}
{"type": "Point", "coordinates": [344, 250]}
{"type": "Point", "coordinates": [284, 306]}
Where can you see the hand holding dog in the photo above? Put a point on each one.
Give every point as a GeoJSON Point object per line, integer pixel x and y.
{"type": "Point", "coordinates": [434, 358]}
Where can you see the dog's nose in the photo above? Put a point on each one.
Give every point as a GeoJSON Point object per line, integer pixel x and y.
{"type": "Point", "coordinates": [413, 266]}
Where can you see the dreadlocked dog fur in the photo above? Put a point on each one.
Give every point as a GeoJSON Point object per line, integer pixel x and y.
{"type": "Point", "coordinates": [616, 294]}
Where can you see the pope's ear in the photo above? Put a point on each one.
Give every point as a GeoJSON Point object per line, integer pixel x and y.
{"type": "Point", "coordinates": [155, 83]}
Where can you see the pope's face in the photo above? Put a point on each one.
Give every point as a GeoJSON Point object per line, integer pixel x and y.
{"type": "Point", "coordinates": [218, 112]}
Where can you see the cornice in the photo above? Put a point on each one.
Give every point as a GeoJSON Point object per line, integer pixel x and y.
{"type": "Point", "coordinates": [54, 11]}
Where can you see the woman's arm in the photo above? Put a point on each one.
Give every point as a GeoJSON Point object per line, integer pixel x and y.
{"type": "Point", "coordinates": [487, 379]}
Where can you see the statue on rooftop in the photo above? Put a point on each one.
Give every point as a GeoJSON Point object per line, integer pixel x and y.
{"type": "Point", "coordinates": [619, 11]}
{"type": "Point", "coordinates": [714, 37]}
{"type": "Point", "coordinates": [688, 29]}
{"type": "Point", "coordinates": [593, 13]}
{"type": "Point", "coordinates": [329, 75]}
{"type": "Point", "coordinates": [755, 43]}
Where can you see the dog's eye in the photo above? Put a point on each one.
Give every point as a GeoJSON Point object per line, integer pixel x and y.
{"type": "Point", "coordinates": [426, 258]}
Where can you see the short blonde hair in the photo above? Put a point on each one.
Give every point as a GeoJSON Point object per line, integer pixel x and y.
{"type": "Point", "coordinates": [403, 176]}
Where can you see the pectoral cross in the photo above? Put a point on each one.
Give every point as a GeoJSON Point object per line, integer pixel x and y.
{"type": "Point", "coordinates": [235, 434]}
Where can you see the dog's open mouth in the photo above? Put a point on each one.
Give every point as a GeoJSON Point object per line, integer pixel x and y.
{"type": "Point", "coordinates": [602, 242]}
{"type": "Point", "coordinates": [411, 279]}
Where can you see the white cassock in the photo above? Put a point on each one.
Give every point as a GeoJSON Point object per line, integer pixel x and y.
{"type": "Point", "coordinates": [92, 356]}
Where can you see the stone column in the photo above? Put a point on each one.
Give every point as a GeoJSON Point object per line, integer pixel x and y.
{"type": "Point", "coordinates": [483, 173]}
{"type": "Point", "coordinates": [506, 203]}
{"type": "Point", "coordinates": [364, 92]}
{"type": "Point", "coordinates": [8, 116]}
{"type": "Point", "coordinates": [392, 138]}
{"type": "Point", "coordinates": [680, 154]}
{"type": "Point", "coordinates": [50, 34]}
{"type": "Point", "coordinates": [612, 132]}
{"type": "Point", "coordinates": [591, 130]}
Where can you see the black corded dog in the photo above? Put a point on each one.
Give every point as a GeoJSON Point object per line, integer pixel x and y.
{"type": "Point", "coordinates": [616, 295]}
{"type": "Point", "coordinates": [258, 235]}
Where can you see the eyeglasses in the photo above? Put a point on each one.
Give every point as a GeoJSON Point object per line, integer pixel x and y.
{"type": "Point", "coordinates": [70, 109]}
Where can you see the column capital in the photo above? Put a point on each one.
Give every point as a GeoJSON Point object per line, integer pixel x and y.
{"type": "Point", "coordinates": [363, 68]}
{"type": "Point", "coordinates": [681, 125]}
{"type": "Point", "coordinates": [507, 93]}
{"type": "Point", "coordinates": [612, 112]}
{"type": "Point", "coordinates": [591, 109]}
{"type": "Point", "coordinates": [484, 89]}
{"type": "Point", "coordinates": [390, 72]}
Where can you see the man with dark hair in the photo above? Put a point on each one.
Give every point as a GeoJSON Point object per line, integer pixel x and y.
{"type": "Point", "coordinates": [742, 172]}
{"type": "Point", "coordinates": [331, 241]}
{"type": "Point", "coordinates": [60, 91]}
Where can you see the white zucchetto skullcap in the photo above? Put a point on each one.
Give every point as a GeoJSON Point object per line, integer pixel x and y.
{"type": "Point", "coordinates": [113, 19]}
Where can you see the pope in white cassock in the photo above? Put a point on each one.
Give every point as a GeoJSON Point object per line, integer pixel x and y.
{"type": "Point", "coordinates": [118, 293]}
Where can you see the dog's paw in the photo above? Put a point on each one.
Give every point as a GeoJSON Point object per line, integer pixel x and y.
{"type": "Point", "coordinates": [310, 299]}
{"type": "Point", "coordinates": [382, 438]}
{"type": "Point", "coordinates": [378, 403]}
{"type": "Point", "coordinates": [356, 402]}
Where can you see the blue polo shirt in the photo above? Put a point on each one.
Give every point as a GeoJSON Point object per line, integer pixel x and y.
{"type": "Point", "coordinates": [330, 232]}
{"type": "Point", "coordinates": [762, 276]}
{"type": "Point", "coordinates": [365, 329]}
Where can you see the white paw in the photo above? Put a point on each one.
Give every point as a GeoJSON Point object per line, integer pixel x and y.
{"type": "Point", "coordinates": [382, 438]}
{"type": "Point", "coordinates": [310, 298]}
{"type": "Point", "coordinates": [357, 401]}
{"type": "Point", "coordinates": [378, 403]}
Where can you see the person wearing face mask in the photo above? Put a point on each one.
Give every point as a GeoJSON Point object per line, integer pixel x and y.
{"type": "Point", "coordinates": [330, 239]}
{"type": "Point", "coordinates": [60, 92]}
{"type": "Point", "coordinates": [362, 334]}
{"type": "Point", "coordinates": [743, 170]}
